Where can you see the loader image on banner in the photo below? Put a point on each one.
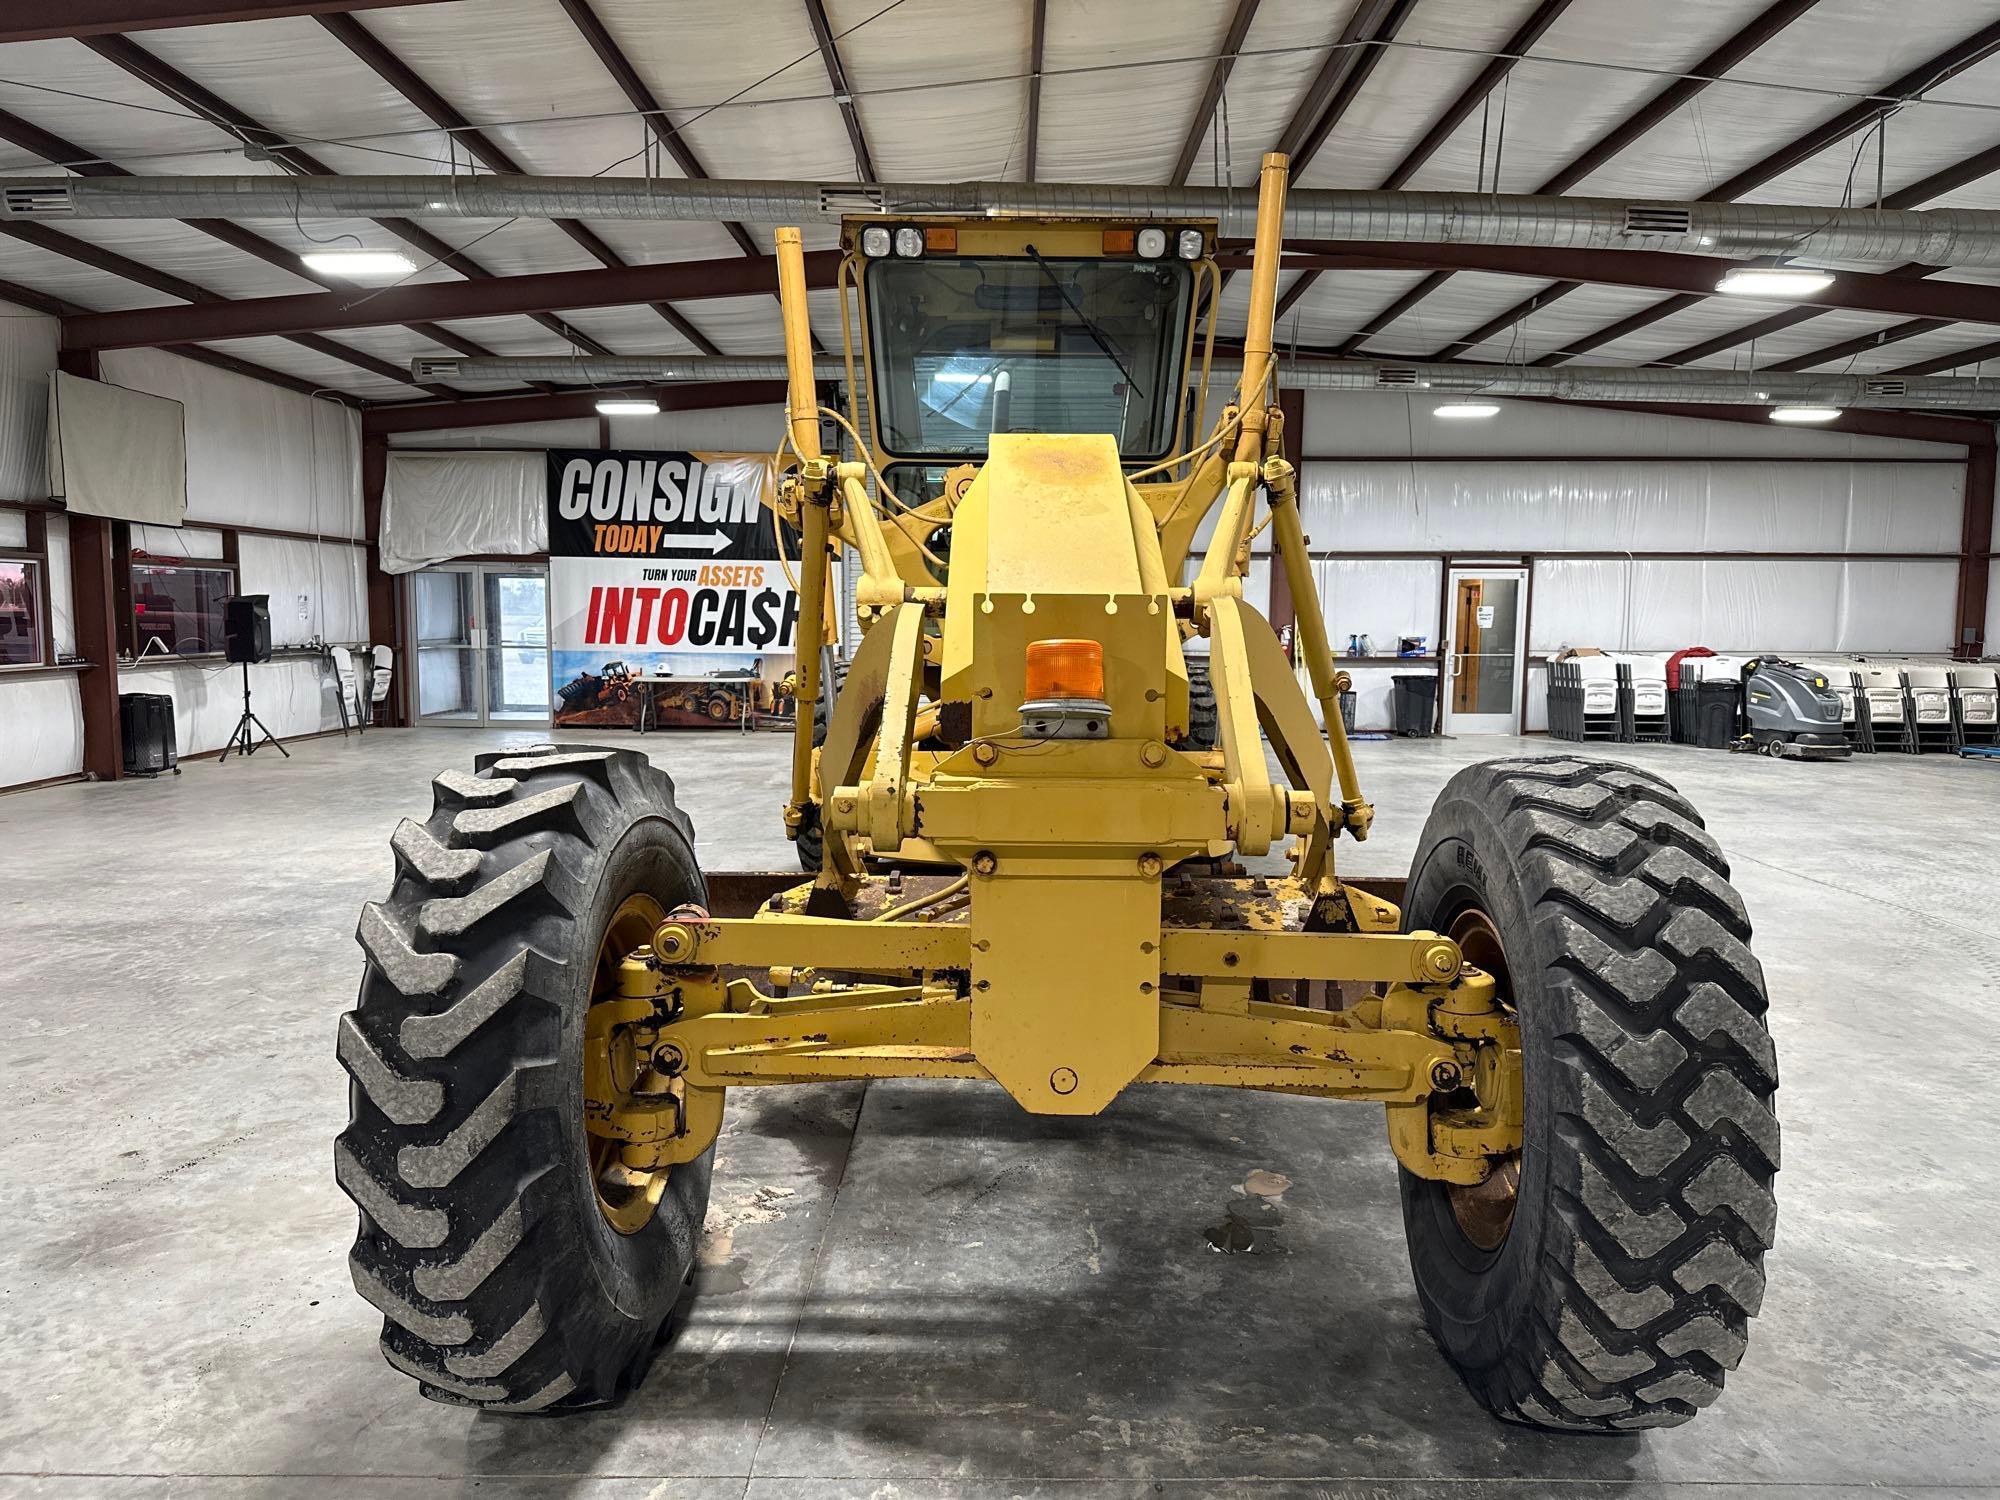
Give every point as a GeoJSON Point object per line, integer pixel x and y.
{"type": "Point", "coordinates": [663, 565]}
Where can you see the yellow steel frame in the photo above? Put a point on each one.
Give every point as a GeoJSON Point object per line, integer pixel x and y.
{"type": "Point", "coordinates": [1064, 973]}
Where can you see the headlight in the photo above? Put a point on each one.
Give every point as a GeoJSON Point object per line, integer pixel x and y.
{"type": "Point", "coordinates": [1151, 243]}
{"type": "Point", "coordinates": [1188, 245]}
{"type": "Point", "coordinates": [909, 242]}
{"type": "Point", "coordinates": [875, 241]}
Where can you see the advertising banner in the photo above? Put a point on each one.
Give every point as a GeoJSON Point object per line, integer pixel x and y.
{"type": "Point", "coordinates": [663, 565]}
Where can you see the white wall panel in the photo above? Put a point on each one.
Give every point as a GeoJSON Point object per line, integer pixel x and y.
{"type": "Point", "coordinates": [177, 541]}
{"type": "Point", "coordinates": [1601, 506]}
{"type": "Point", "coordinates": [1993, 610]}
{"type": "Point", "coordinates": [1906, 508]}
{"type": "Point", "coordinates": [1378, 422]}
{"type": "Point", "coordinates": [319, 591]}
{"type": "Point", "coordinates": [13, 528]}
{"type": "Point", "coordinates": [726, 429]}
{"type": "Point", "coordinates": [1662, 605]}
{"type": "Point", "coordinates": [1766, 606]}
{"type": "Point", "coordinates": [27, 354]}
{"type": "Point", "coordinates": [1897, 606]}
{"type": "Point", "coordinates": [292, 695]}
{"type": "Point", "coordinates": [62, 587]}
{"type": "Point", "coordinates": [1577, 602]}
{"type": "Point", "coordinates": [1383, 598]}
{"type": "Point", "coordinates": [577, 432]}
{"type": "Point", "coordinates": [41, 728]}
{"type": "Point", "coordinates": [258, 455]}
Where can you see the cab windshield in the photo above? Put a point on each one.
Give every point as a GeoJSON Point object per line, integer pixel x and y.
{"type": "Point", "coordinates": [964, 348]}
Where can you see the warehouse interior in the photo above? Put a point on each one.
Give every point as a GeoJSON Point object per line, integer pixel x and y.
{"type": "Point", "coordinates": [406, 389]}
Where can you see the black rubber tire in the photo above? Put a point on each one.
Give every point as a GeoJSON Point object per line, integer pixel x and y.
{"type": "Point", "coordinates": [1623, 1289]}
{"type": "Point", "coordinates": [500, 1282]}
{"type": "Point", "coordinates": [810, 842]}
{"type": "Point", "coordinates": [1204, 722]}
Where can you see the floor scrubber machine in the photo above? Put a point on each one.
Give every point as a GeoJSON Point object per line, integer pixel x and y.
{"type": "Point", "coordinates": [1791, 710]}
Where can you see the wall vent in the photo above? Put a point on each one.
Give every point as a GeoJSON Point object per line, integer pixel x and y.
{"type": "Point", "coordinates": [1659, 218]}
{"type": "Point", "coordinates": [37, 201]}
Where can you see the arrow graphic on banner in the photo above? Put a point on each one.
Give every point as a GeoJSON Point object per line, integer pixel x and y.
{"type": "Point", "coordinates": [713, 542]}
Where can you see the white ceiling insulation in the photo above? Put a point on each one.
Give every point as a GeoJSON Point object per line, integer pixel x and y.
{"type": "Point", "coordinates": [941, 89]}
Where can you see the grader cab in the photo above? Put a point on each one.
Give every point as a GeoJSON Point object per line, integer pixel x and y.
{"type": "Point", "coordinates": [1028, 862]}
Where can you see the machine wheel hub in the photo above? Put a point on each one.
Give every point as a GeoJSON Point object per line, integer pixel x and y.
{"type": "Point", "coordinates": [1484, 1211]}
{"type": "Point", "coordinates": [627, 1196]}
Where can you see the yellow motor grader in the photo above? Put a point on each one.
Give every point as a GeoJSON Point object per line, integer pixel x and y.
{"type": "Point", "coordinates": [1027, 865]}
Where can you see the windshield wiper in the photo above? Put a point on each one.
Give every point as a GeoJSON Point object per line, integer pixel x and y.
{"type": "Point", "coordinates": [1082, 317]}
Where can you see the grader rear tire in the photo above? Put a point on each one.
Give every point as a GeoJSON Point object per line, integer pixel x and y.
{"type": "Point", "coordinates": [509, 1275]}
{"type": "Point", "coordinates": [1204, 719]}
{"type": "Point", "coordinates": [1612, 1287]}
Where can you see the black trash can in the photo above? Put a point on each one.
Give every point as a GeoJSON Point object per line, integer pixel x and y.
{"type": "Point", "coordinates": [146, 734]}
{"type": "Point", "coordinates": [1347, 711]}
{"type": "Point", "coordinates": [1415, 704]}
{"type": "Point", "coordinates": [1719, 708]}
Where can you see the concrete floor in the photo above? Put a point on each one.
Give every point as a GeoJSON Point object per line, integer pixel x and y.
{"type": "Point", "coordinates": [924, 1292]}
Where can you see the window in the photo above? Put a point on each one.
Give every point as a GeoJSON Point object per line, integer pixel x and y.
{"type": "Point", "coordinates": [969, 347]}
{"type": "Point", "coordinates": [177, 607]}
{"type": "Point", "coordinates": [21, 629]}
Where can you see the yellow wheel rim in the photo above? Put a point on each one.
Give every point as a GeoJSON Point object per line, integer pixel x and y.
{"type": "Point", "coordinates": [1484, 1211]}
{"type": "Point", "coordinates": [627, 1196]}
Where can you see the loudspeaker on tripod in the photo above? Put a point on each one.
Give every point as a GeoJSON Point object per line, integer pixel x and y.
{"type": "Point", "coordinates": [246, 627]}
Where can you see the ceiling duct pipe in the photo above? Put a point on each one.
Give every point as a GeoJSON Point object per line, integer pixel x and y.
{"type": "Point", "coordinates": [1937, 237]}
{"type": "Point", "coordinates": [1557, 383]}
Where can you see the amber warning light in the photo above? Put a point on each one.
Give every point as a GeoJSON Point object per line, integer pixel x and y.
{"type": "Point", "coordinates": [1064, 669]}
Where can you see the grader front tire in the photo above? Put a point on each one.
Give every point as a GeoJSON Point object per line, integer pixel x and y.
{"type": "Point", "coordinates": [1614, 1287]}
{"type": "Point", "coordinates": [503, 1280]}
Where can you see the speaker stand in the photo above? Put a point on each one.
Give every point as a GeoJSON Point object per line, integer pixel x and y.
{"type": "Point", "coordinates": [242, 740]}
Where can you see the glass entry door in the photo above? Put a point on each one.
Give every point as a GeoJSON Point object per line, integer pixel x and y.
{"type": "Point", "coordinates": [482, 644]}
{"type": "Point", "coordinates": [1483, 650]}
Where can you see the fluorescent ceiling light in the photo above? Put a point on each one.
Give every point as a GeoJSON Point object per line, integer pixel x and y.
{"type": "Point", "coordinates": [1804, 413]}
{"type": "Point", "coordinates": [628, 406]}
{"type": "Point", "coordinates": [1774, 281]}
{"type": "Point", "coordinates": [358, 265]}
{"type": "Point", "coordinates": [1466, 409]}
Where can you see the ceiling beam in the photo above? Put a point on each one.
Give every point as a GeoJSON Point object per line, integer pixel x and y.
{"type": "Point", "coordinates": [123, 53]}
{"type": "Point", "coordinates": [1896, 291]}
{"type": "Point", "coordinates": [1340, 78]}
{"type": "Point", "coordinates": [34, 301]}
{"type": "Point", "coordinates": [1929, 427]}
{"type": "Point", "coordinates": [53, 148]}
{"type": "Point", "coordinates": [697, 280]}
{"type": "Point", "coordinates": [843, 91]}
{"type": "Point", "coordinates": [1946, 64]}
{"type": "Point", "coordinates": [1530, 31]}
{"type": "Point", "coordinates": [1979, 354]}
{"type": "Point", "coordinates": [642, 98]}
{"type": "Point", "coordinates": [1038, 34]}
{"type": "Point", "coordinates": [1211, 94]}
{"type": "Point", "coordinates": [1746, 40]}
{"type": "Point", "coordinates": [428, 102]}
{"type": "Point", "coordinates": [509, 410]}
{"type": "Point", "coordinates": [1941, 182]}
{"type": "Point", "coordinates": [1864, 343]}
{"type": "Point", "coordinates": [81, 18]}
{"type": "Point", "coordinates": [1927, 75]}
{"type": "Point", "coordinates": [499, 296]}
{"type": "Point", "coordinates": [124, 267]}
